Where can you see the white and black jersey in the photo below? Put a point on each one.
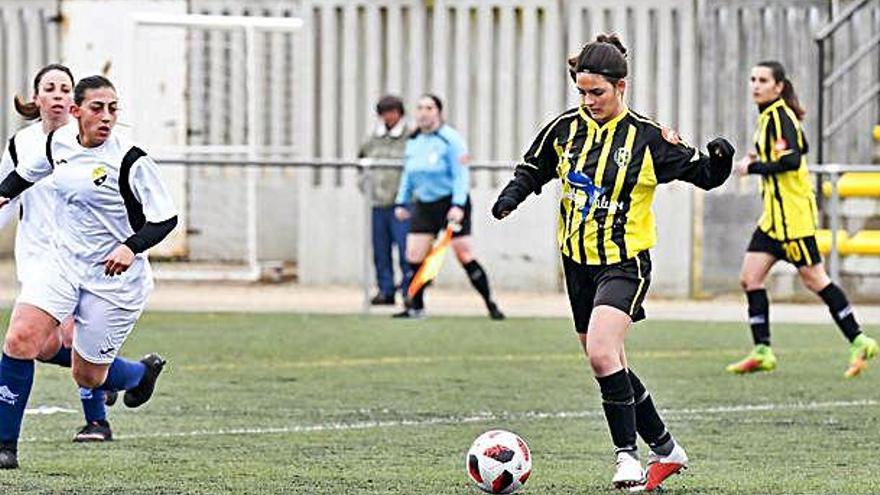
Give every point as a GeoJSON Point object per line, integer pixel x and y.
{"type": "Point", "coordinates": [35, 207]}
{"type": "Point", "coordinates": [105, 194]}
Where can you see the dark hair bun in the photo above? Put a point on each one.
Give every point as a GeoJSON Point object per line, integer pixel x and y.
{"type": "Point", "coordinates": [612, 39]}
{"type": "Point", "coordinates": [606, 56]}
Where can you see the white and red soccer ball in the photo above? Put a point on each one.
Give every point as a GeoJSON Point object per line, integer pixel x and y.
{"type": "Point", "coordinates": [499, 462]}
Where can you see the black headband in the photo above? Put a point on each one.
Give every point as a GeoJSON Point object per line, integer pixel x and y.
{"type": "Point", "coordinates": [606, 73]}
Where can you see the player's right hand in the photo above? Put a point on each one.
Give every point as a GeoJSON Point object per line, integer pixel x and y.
{"type": "Point", "coordinates": [720, 149]}
{"type": "Point", "coordinates": [3, 201]}
{"type": "Point", "coordinates": [503, 206]}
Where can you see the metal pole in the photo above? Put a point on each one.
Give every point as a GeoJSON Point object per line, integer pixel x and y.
{"type": "Point", "coordinates": [820, 150]}
{"type": "Point", "coordinates": [252, 172]}
{"type": "Point", "coordinates": [835, 225]}
{"type": "Point", "coordinates": [367, 181]}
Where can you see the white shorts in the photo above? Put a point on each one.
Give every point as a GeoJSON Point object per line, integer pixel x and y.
{"type": "Point", "coordinates": [102, 323]}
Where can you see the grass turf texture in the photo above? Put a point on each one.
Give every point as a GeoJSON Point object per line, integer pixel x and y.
{"type": "Point", "coordinates": [281, 373]}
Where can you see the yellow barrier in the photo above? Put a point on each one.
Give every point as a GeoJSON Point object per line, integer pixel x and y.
{"type": "Point", "coordinates": [855, 184]}
{"type": "Point", "coordinates": [866, 242]}
{"type": "Point", "coordinates": [823, 239]}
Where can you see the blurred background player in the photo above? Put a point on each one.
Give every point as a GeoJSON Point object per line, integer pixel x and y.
{"type": "Point", "coordinates": [113, 207]}
{"type": "Point", "coordinates": [435, 179]}
{"type": "Point", "coordinates": [609, 160]}
{"type": "Point", "coordinates": [50, 103]}
{"type": "Point", "coordinates": [388, 142]}
{"type": "Point", "coordinates": [787, 227]}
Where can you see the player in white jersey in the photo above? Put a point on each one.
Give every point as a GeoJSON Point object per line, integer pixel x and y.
{"type": "Point", "coordinates": [52, 98]}
{"type": "Point", "coordinates": [112, 207]}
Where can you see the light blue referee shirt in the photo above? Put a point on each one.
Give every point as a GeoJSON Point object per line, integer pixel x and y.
{"type": "Point", "coordinates": [433, 168]}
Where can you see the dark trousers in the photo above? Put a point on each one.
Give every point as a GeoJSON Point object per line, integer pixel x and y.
{"type": "Point", "coordinates": [388, 231]}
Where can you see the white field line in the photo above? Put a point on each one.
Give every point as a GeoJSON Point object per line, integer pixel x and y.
{"type": "Point", "coordinates": [48, 411]}
{"type": "Point", "coordinates": [485, 417]}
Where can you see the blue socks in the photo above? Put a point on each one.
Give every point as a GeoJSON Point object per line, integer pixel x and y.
{"type": "Point", "coordinates": [93, 404]}
{"type": "Point", "coordinates": [16, 380]}
{"type": "Point", "coordinates": [62, 359]}
{"type": "Point", "coordinates": [123, 375]}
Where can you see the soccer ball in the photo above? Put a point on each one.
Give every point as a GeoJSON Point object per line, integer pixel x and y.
{"type": "Point", "coordinates": [499, 462]}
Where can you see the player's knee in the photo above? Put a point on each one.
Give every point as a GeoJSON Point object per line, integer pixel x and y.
{"type": "Point", "coordinates": [602, 360]}
{"type": "Point", "coordinates": [23, 342]}
{"type": "Point", "coordinates": [813, 281]}
{"type": "Point", "coordinates": [750, 282]}
{"type": "Point", "coordinates": [50, 348]}
{"type": "Point", "coordinates": [88, 377]}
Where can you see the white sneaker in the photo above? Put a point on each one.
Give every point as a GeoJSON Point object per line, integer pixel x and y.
{"type": "Point", "coordinates": [629, 472]}
{"type": "Point", "coordinates": [662, 467]}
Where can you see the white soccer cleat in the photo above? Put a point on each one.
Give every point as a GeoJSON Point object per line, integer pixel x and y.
{"type": "Point", "coordinates": [662, 467]}
{"type": "Point", "coordinates": [629, 472]}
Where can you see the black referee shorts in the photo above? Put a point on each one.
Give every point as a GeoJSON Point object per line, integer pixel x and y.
{"type": "Point", "coordinates": [430, 217]}
{"type": "Point", "coordinates": [621, 285]}
{"type": "Point", "coordinates": [798, 252]}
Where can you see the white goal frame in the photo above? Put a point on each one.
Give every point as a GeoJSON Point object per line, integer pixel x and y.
{"type": "Point", "coordinates": [250, 26]}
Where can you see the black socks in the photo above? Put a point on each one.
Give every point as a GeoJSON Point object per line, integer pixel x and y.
{"type": "Point", "coordinates": [478, 279]}
{"type": "Point", "coordinates": [759, 315]}
{"type": "Point", "coordinates": [840, 310]}
{"type": "Point", "coordinates": [620, 411]}
{"type": "Point", "coordinates": [649, 424]}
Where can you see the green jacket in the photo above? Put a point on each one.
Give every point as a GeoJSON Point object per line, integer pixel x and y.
{"type": "Point", "coordinates": [385, 144]}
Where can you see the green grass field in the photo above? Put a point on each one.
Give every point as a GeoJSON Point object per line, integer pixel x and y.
{"type": "Point", "coordinates": [259, 404]}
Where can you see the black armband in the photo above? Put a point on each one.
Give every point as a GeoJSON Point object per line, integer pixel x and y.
{"type": "Point", "coordinates": [150, 235]}
{"type": "Point", "coordinates": [13, 185]}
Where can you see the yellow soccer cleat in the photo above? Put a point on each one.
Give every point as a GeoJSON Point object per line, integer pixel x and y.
{"type": "Point", "coordinates": [760, 359]}
{"type": "Point", "coordinates": [861, 350]}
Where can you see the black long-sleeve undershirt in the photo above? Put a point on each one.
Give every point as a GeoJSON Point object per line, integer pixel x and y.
{"type": "Point", "coordinates": [13, 185]}
{"type": "Point", "coordinates": [150, 234]}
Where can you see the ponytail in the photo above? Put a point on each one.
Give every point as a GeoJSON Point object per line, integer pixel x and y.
{"type": "Point", "coordinates": [29, 110]}
{"type": "Point", "coordinates": [788, 95]}
{"type": "Point", "coordinates": [791, 99]}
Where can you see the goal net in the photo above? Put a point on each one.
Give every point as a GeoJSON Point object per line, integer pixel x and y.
{"type": "Point", "coordinates": [210, 96]}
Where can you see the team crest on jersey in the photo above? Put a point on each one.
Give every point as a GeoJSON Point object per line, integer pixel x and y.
{"type": "Point", "coordinates": [99, 175]}
{"type": "Point", "coordinates": [780, 145]}
{"type": "Point", "coordinates": [622, 157]}
{"type": "Point", "coordinates": [60, 162]}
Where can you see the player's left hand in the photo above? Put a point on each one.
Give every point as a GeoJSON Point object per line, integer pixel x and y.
{"type": "Point", "coordinates": [455, 214]}
{"type": "Point", "coordinates": [119, 260]}
{"type": "Point", "coordinates": [3, 201]}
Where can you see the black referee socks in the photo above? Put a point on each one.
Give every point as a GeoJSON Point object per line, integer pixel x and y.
{"type": "Point", "coordinates": [418, 300]}
{"type": "Point", "coordinates": [840, 310]}
{"type": "Point", "coordinates": [649, 424]}
{"type": "Point", "coordinates": [478, 279]}
{"type": "Point", "coordinates": [759, 315]}
{"type": "Point", "coordinates": [620, 410]}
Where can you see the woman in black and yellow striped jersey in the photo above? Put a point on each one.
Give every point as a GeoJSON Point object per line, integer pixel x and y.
{"type": "Point", "coordinates": [609, 160]}
{"type": "Point", "coordinates": [787, 227]}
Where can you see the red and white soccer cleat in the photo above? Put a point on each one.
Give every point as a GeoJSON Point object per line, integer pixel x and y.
{"type": "Point", "coordinates": [629, 472]}
{"type": "Point", "coordinates": [662, 467]}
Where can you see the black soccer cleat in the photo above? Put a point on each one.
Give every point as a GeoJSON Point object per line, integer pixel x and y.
{"type": "Point", "coordinates": [494, 312]}
{"type": "Point", "coordinates": [140, 394]}
{"type": "Point", "coordinates": [8, 456]}
{"type": "Point", "coordinates": [411, 314]}
{"type": "Point", "coordinates": [382, 300]}
{"type": "Point", "coordinates": [96, 431]}
{"type": "Point", "coordinates": [110, 398]}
